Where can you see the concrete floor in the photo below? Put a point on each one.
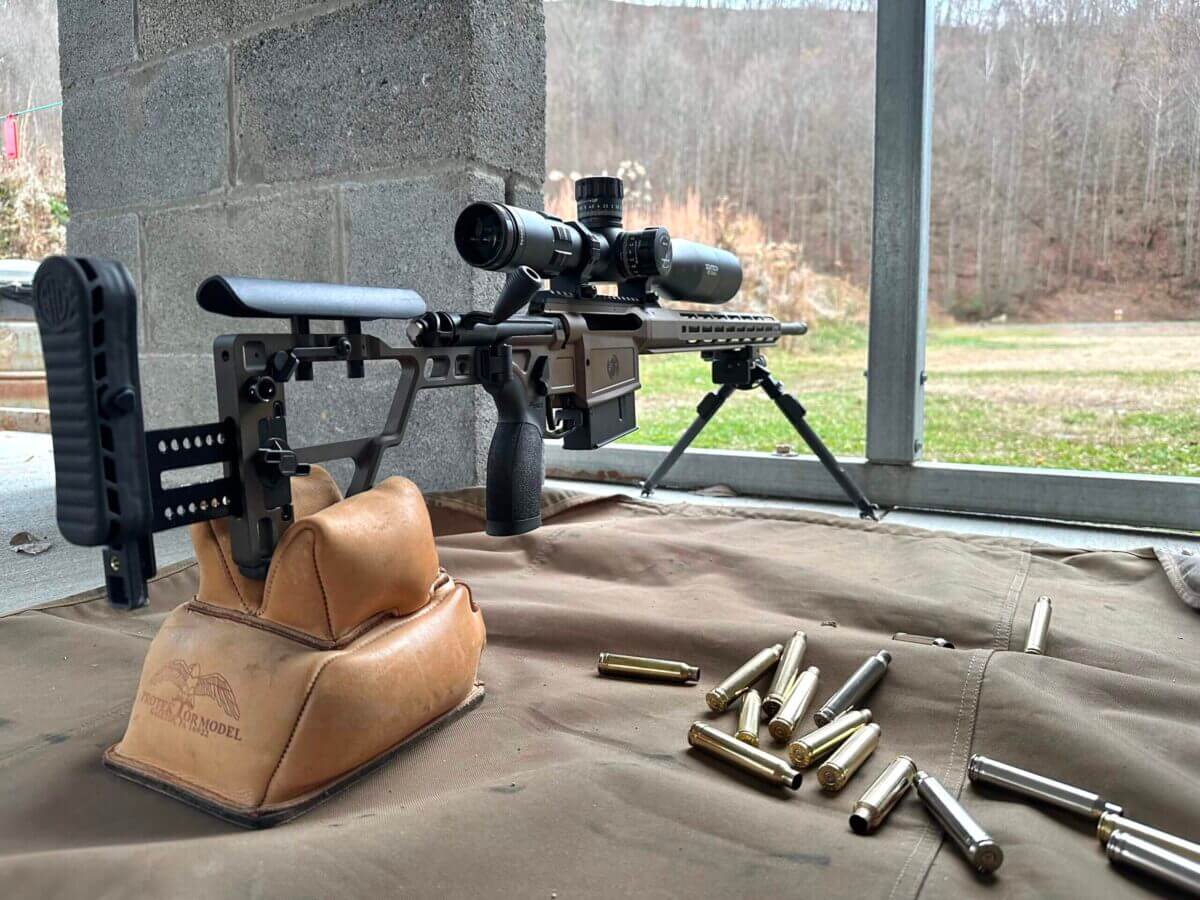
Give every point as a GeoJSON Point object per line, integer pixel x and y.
{"type": "Point", "coordinates": [27, 504]}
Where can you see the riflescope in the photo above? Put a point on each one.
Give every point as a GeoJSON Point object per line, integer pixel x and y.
{"type": "Point", "coordinates": [499, 237]}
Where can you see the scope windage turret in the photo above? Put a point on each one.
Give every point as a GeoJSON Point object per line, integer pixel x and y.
{"type": "Point", "coordinates": [498, 237]}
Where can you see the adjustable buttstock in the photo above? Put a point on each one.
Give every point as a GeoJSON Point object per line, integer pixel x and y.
{"type": "Point", "coordinates": [87, 316]}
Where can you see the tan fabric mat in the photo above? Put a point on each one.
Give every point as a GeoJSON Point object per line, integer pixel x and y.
{"type": "Point", "coordinates": [563, 783]}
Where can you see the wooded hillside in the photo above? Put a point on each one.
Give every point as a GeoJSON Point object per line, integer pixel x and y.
{"type": "Point", "coordinates": [1066, 166]}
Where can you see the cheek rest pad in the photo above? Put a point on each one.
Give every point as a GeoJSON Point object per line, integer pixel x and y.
{"type": "Point", "coordinates": [260, 699]}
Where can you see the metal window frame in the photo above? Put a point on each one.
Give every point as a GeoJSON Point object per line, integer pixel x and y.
{"type": "Point", "coordinates": [892, 474]}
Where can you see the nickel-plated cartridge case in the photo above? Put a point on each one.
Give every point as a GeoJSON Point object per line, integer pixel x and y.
{"type": "Point", "coordinates": [1172, 868]}
{"type": "Point", "coordinates": [884, 793]}
{"type": "Point", "coordinates": [1110, 822]}
{"type": "Point", "coordinates": [922, 639]}
{"type": "Point", "coordinates": [856, 687]}
{"type": "Point", "coordinates": [806, 750]}
{"type": "Point", "coordinates": [742, 678]}
{"type": "Point", "coordinates": [647, 667]}
{"type": "Point", "coordinates": [985, 770]}
{"type": "Point", "coordinates": [783, 724]}
{"type": "Point", "coordinates": [1039, 627]}
{"type": "Point", "coordinates": [786, 674]}
{"type": "Point", "coordinates": [760, 763]}
{"type": "Point", "coordinates": [848, 758]}
{"type": "Point", "coordinates": [968, 835]}
{"type": "Point", "coordinates": [748, 718]}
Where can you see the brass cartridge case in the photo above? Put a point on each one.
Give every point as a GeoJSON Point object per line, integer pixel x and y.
{"type": "Point", "coordinates": [647, 667]}
{"type": "Point", "coordinates": [985, 770]}
{"type": "Point", "coordinates": [848, 758]}
{"type": "Point", "coordinates": [742, 678]}
{"type": "Point", "coordinates": [1154, 860]}
{"type": "Point", "coordinates": [758, 763]}
{"type": "Point", "coordinates": [884, 793]}
{"type": "Point", "coordinates": [856, 687]}
{"type": "Point", "coordinates": [783, 724]}
{"type": "Point", "coordinates": [748, 718]}
{"type": "Point", "coordinates": [922, 639]}
{"type": "Point", "coordinates": [1039, 627]}
{"type": "Point", "coordinates": [806, 750]}
{"type": "Point", "coordinates": [968, 835]}
{"type": "Point", "coordinates": [1110, 822]}
{"type": "Point", "coordinates": [786, 674]}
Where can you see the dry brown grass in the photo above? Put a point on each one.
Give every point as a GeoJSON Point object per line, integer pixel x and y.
{"type": "Point", "coordinates": [33, 210]}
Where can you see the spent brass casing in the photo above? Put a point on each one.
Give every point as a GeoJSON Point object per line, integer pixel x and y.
{"type": "Point", "coordinates": [968, 835]}
{"type": "Point", "coordinates": [856, 687]}
{"type": "Point", "coordinates": [647, 667]}
{"type": "Point", "coordinates": [848, 758]}
{"type": "Point", "coordinates": [748, 718]}
{"type": "Point", "coordinates": [1039, 627]}
{"type": "Point", "coordinates": [742, 678]}
{"type": "Point", "coordinates": [784, 722]}
{"type": "Point", "coordinates": [1110, 822]}
{"type": "Point", "coordinates": [786, 674]}
{"type": "Point", "coordinates": [985, 770]}
{"type": "Point", "coordinates": [806, 750]}
{"type": "Point", "coordinates": [884, 793]}
{"type": "Point", "coordinates": [750, 759]}
{"type": "Point", "coordinates": [922, 639]}
{"type": "Point", "coordinates": [1174, 869]}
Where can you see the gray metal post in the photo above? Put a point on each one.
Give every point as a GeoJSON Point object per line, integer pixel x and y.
{"type": "Point", "coordinates": [900, 233]}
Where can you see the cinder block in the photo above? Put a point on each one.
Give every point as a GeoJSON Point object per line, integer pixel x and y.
{"type": "Point", "coordinates": [401, 234]}
{"type": "Point", "coordinates": [109, 237]}
{"type": "Point", "coordinates": [288, 236]}
{"type": "Point", "coordinates": [94, 36]}
{"type": "Point", "coordinates": [381, 83]}
{"type": "Point", "coordinates": [157, 135]}
{"type": "Point", "coordinates": [440, 449]}
{"type": "Point", "coordinates": [166, 25]}
{"type": "Point", "coordinates": [177, 389]}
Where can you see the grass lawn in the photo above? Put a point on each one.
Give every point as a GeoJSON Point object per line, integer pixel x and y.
{"type": "Point", "coordinates": [1111, 397]}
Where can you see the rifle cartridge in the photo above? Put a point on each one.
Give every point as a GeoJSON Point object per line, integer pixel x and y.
{"type": "Point", "coordinates": [742, 678]}
{"type": "Point", "coordinates": [786, 674]}
{"type": "Point", "coordinates": [1154, 860]}
{"type": "Point", "coordinates": [985, 770]}
{"type": "Point", "coordinates": [968, 835]}
{"type": "Point", "coordinates": [783, 724]}
{"type": "Point", "coordinates": [1039, 627]}
{"type": "Point", "coordinates": [881, 797]}
{"type": "Point", "coordinates": [856, 687]}
{"type": "Point", "coordinates": [927, 639]}
{"type": "Point", "coordinates": [1110, 822]}
{"type": "Point", "coordinates": [749, 759]}
{"type": "Point", "coordinates": [647, 667]}
{"type": "Point", "coordinates": [848, 758]}
{"type": "Point", "coordinates": [748, 718]}
{"type": "Point", "coordinates": [806, 750]}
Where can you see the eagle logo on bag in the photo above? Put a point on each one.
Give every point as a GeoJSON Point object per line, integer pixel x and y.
{"type": "Point", "coordinates": [192, 684]}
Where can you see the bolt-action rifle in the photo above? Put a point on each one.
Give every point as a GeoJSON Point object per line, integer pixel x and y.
{"type": "Point", "coordinates": [568, 368]}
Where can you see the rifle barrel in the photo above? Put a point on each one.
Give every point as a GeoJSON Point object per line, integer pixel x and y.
{"type": "Point", "coordinates": [793, 328]}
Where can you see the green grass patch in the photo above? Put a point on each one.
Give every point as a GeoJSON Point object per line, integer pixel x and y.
{"type": "Point", "coordinates": [975, 420]}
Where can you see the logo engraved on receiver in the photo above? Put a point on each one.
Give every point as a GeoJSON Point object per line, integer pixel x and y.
{"type": "Point", "coordinates": [190, 683]}
{"type": "Point", "coordinates": [614, 366]}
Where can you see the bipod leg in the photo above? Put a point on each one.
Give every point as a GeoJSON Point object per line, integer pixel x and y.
{"type": "Point", "coordinates": [705, 410]}
{"type": "Point", "coordinates": [795, 413]}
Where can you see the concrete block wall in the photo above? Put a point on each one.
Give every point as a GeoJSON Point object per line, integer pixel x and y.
{"type": "Point", "coordinates": [331, 141]}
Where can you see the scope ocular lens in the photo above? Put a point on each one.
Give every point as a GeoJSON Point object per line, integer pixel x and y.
{"type": "Point", "coordinates": [483, 236]}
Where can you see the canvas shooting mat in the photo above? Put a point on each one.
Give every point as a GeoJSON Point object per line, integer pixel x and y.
{"type": "Point", "coordinates": [565, 783]}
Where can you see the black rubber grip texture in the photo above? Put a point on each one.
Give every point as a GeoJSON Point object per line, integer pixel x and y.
{"type": "Point", "coordinates": [87, 316]}
{"type": "Point", "coordinates": [514, 479]}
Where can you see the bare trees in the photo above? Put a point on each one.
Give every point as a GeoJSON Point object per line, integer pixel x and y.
{"type": "Point", "coordinates": [1066, 132]}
